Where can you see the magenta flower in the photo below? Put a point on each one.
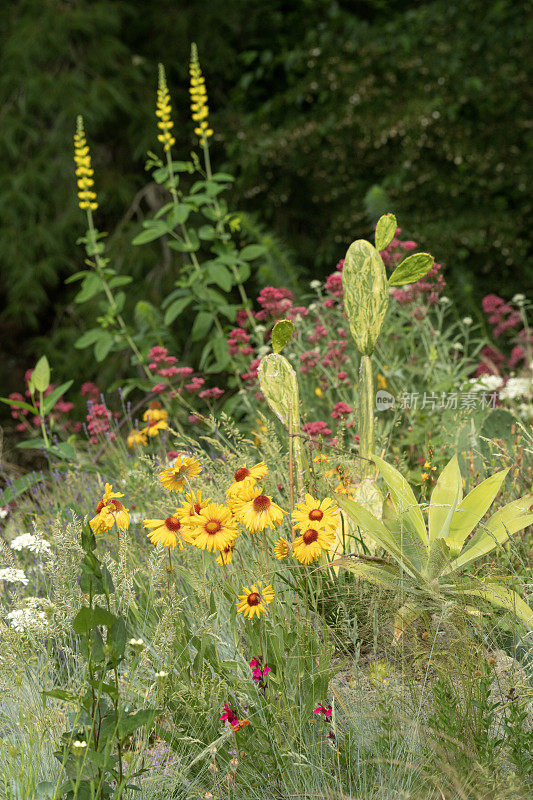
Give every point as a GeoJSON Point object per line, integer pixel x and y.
{"type": "Point", "coordinates": [321, 710]}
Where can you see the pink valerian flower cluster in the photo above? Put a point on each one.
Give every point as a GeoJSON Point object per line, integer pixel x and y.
{"type": "Point", "coordinates": [161, 363]}
{"type": "Point", "coordinates": [239, 343]}
{"type": "Point", "coordinates": [504, 318]}
{"type": "Point", "coordinates": [333, 286]}
{"type": "Point", "coordinates": [90, 391]}
{"type": "Point", "coordinates": [320, 332]}
{"type": "Point", "coordinates": [309, 360]}
{"type": "Point", "coordinates": [341, 410]}
{"type": "Point", "coordinates": [275, 303]}
{"type": "Point", "coordinates": [99, 419]}
{"type": "Point", "coordinates": [336, 355]}
{"type": "Point", "coordinates": [259, 672]}
{"type": "Point", "coordinates": [316, 429]}
{"type": "Point", "coordinates": [328, 712]}
{"type": "Point", "coordinates": [56, 415]}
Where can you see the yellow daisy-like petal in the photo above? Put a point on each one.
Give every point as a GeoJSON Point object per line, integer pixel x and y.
{"type": "Point", "coordinates": [311, 544]}
{"type": "Point", "coordinates": [136, 437]}
{"type": "Point", "coordinates": [226, 555]}
{"type": "Point", "coordinates": [173, 478]}
{"type": "Point", "coordinates": [254, 601]}
{"type": "Point", "coordinates": [154, 427]}
{"type": "Point", "coordinates": [103, 521]}
{"type": "Point", "coordinates": [109, 512]}
{"type": "Point", "coordinates": [313, 513]}
{"type": "Point", "coordinates": [155, 412]}
{"type": "Point", "coordinates": [259, 512]}
{"type": "Point", "coordinates": [243, 472]}
{"type": "Point", "coordinates": [192, 506]}
{"type": "Point", "coordinates": [164, 531]}
{"type": "Point", "coordinates": [215, 528]}
{"type": "Point", "coordinates": [281, 549]}
{"type": "Point", "coordinates": [239, 493]}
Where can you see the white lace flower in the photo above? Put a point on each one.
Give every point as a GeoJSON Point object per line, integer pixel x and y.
{"type": "Point", "coordinates": [516, 387]}
{"type": "Point", "coordinates": [12, 575]}
{"type": "Point", "coordinates": [26, 619]}
{"type": "Point", "coordinates": [484, 383]}
{"type": "Point", "coordinates": [27, 541]}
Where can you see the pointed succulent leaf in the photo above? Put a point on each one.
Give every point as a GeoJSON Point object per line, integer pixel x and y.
{"type": "Point", "coordinates": [389, 516]}
{"type": "Point", "coordinates": [473, 508]}
{"type": "Point", "coordinates": [377, 531]}
{"type": "Point", "coordinates": [411, 269]}
{"type": "Point", "coordinates": [504, 523]}
{"type": "Point", "coordinates": [403, 498]}
{"type": "Point", "coordinates": [439, 558]}
{"type": "Point", "coordinates": [388, 576]}
{"type": "Point", "coordinates": [282, 333]}
{"type": "Point", "coordinates": [385, 230]}
{"type": "Point", "coordinates": [499, 595]}
{"type": "Point", "coordinates": [366, 294]}
{"type": "Point", "coordinates": [447, 493]}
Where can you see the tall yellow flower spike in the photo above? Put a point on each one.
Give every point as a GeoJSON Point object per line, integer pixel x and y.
{"type": "Point", "coordinates": [84, 171]}
{"type": "Point", "coordinates": [163, 111]}
{"type": "Point", "coordinates": [199, 107]}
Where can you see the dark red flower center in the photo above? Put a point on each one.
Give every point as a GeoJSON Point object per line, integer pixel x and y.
{"type": "Point", "coordinates": [254, 599]}
{"type": "Point", "coordinates": [310, 536]}
{"type": "Point", "coordinates": [241, 474]}
{"type": "Point", "coordinates": [196, 509]}
{"type": "Point", "coordinates": [155, 404]}
{"type": "Point", "coordinates": [213, 526]}
{"type": "Point", "coordinates": [316, 514]}
{"type": "Point", "coordinates": [262, 503]}
{"type": "Point", "coordinates": [172, 523]}
{"type": "Point", "coordinates": [100, 506]}
{"type": "Point", "coordinates": [152, 422]}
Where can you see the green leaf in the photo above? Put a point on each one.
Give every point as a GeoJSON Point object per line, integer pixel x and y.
{"type": "Point", "coordinates": [411, 269]}
{"type": "Point", "coordinates": [77, 276]}
{"type": "Point", "coordinates": [62, 694]}
{"type": "Point", "coordinates": [155, 231]}
{"type": "Point", "coordinates": [18, 487]}
{"type": "Point", "coordinates": [473, 508]}
{"type": "Point", "coordinates": [385, 230]}
{"type": "Point", "coordinates": [282, 333]}
{"type": "Point", "coordinates": [19, 404]}
{"type": "Point", "coordinates": [178, 215]}
{"type": "Point", "coordinates": [366, 294]}
{"type": "Point", "coordinates": [404, 617]}
{"type": "Point", "coordinates": [252, 251]}
{"type": "Point", "coordinates": [88, 618]}
{"type": "Point", "coordinates": [88, 338]}
{"type": "Point", "coordinates": [116, 640]}
{"type": "Point", "coordinates": [220, 275]}
{"type": "Point", "coordinates": [91, 285]}
{"type": "Point", "coordinates": [119, 280]}
{"type": "Point", "coordinates": [146, 315]}
{"type": "Point", "coordinates": [103, 346]}
{"type": "Point", "coordinates": [387, 576]}
{"type": "Point", "coordinates": [40, 377]}
{"type": "Point", "coordinates": [175, 309]}
{"type": "Point", "coordinates": [130, 723]}
{"type": "Point", "coordinates": [221, 353]}
{"type": "Point", "coordinates": [502, 597]}
{"type": "Point", "coordinates": [447, 493]}
{"type": "Point", "coordinates": [202, 324]}
{"type": "Point", "coordinates": [504, 523]}
{"type": "Point", "coordinates": [50, 401]}
{"type": "Point", "coordinates": [244, 272]}
{"type": "Point", "coordinates": [403, 498]}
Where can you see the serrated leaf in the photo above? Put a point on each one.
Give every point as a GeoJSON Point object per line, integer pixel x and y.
{"type": "Point", "coordinates": [411, 269]}
{"type": "Point", "coordinates": [385, 230]}
{"type": "Point", "coordinates": [178, 215]}
{"type": "Point", "coordinates": [91, 285]}
{"type": "Point", "coordinates": [366, 294]}
{"type": "Point", "coordinates": [282, 333]}
{"type": "Point", "coordinates": [220, 275]}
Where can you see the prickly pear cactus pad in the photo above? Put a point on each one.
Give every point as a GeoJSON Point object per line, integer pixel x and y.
{"type": "Point", "coordinates": [366, 294]}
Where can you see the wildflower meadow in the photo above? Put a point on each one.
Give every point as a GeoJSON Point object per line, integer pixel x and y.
{"type": "Point", "coordinates": [278, 543]}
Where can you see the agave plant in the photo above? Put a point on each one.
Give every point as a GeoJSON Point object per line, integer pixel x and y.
{"type": "Point", "coordinates": [428, 561]}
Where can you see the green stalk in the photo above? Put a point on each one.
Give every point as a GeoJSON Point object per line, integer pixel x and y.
{"type": "Point", "coordinates": [366, 414]}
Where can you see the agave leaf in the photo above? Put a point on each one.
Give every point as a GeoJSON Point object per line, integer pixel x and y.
{"type": "Point", "coordinates": [377, 531]}
{"type": "Point", "coordinates": [472, 508]}
{"type": "Point", "coordinates": [445, 496]}
{"type": "Point", "coordinates": [439, 558]}
{"type": "Point", "coordinates": [502, 597]}
{"type": "Point", "coordinates": [404, 617]}
{"type": "Point", "coordinates": [389, 516]}
{"type": "Point", "coordinates": [504, 523]}
{"type": "Point", "coordinates": [404, 499]}
{"type": "Point", "coordinates": [366, 294]}
{"type": "Point", "coordinates": [387, 576]}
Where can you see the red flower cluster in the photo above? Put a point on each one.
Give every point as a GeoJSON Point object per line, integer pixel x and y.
{"type": "Point", "coordinates": [239, 343]}
{"type": "Point", "coordinates": [316, 429]}
{"type": "Point", "coordinates": [99, 421]}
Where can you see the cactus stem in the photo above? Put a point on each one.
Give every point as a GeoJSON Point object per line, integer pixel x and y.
{"type": "Point", "coordinates": [366, 414]}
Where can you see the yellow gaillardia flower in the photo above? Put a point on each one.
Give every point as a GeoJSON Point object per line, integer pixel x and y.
{"type": "Point", "coordinates": [199, 107]}
{"type": "Point", "coordinates": [309, 546]}
{"type": "Point", "coordinates": [163, 111]}
{"type": "Point", "coordinates": [154, 427]}
{"type": "Point", "coordinates": [245, 477]}
{"type": "Point", "coordinates": [259, 512]}
{"type": "Point", "coordinates": [226, 555]}
{"type": "Point", "coordinates": [281, 549]}
{"type": "Point", "coordinates": [254, 600]}
{"type": "Point", "coordinates": [165, 531]}
{"type": "Point", "coordinates": [244, 491]}
{"type": "Point", "coordinates": [316, 514]}
{"type": "Point", "coordinates": [215, 528]}
{"type": "Point", "coordinates": [84, 171]}
{"type": "Point", "coordinates": [320, 458]}
{"type": "Point", "coordinates": [136, 437]}
{"type": "Point", "coordinates": [192, 506]}
{"type": "Point", "coordinates": [173, 478]}
{"type": "Point", "coordinates": [109, 512]}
